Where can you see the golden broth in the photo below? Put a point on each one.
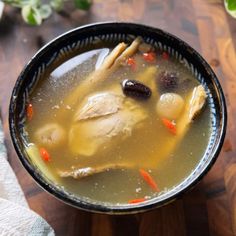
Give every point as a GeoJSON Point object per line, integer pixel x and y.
{"type": "Point", "coordinates": [145, 147]}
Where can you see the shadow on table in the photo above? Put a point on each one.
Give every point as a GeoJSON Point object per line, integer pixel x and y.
{"type": "Point", "coordinates": [186, 216]}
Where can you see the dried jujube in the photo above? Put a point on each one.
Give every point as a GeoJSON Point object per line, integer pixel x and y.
{"type": "Point", "coordinates": [135, 89]}
{"type": "Point", "coordinates": [168, 81]}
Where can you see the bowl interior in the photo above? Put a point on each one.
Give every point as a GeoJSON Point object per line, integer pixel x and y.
{"type": "Point", "coordinates": [91, 36]}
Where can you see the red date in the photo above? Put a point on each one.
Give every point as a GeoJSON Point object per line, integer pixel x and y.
{"type": "Point", "coordinates": [135, 89]}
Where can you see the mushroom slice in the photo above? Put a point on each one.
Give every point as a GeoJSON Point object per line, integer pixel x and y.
{"type": "Point", "coordinates": [79, 173]}
{"type": "Point", "coordinates": [197, 102]}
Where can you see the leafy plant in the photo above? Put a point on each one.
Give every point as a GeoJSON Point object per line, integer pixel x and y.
{"type": "Point", "coordinates": [35, 11]}
{"type": "Point", "coordinates": [230, 6]}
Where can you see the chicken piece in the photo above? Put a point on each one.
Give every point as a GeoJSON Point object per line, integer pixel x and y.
{"type": "Point", "coordinates": [50, 135]}
{"type": "Point", "coordinates": [99, 105]}
{"type": "Point", "coordinates": [79, 173]}
{"type": "Point", "coordinates": [128, 52]}
{"type": "Point", "coordinates": [148, 78]}
{"type": "Point", "coordinates": [87, 136]}
{"type": "Point", "coordinates": [197, 102]}
{"type": "Point", "coordinates": [110, 59]}
{"type": "Point", "coordinates": [111, 63]}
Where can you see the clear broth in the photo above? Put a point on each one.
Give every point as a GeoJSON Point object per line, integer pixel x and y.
{"type": "Point", "coordinates": [142, 147]}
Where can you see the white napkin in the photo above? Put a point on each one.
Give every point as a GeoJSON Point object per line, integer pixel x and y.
{"type": "Point", "coordinates": [15, 216]}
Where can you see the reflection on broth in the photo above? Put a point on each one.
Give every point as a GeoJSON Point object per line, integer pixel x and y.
{"type": "Point", "coordinates": [118, 125]}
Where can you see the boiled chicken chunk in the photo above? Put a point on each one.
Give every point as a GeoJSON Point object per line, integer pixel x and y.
{"type": "Point", "coordinates": [103, 120]}
{"type": "Point", "coordinates": [50, 135]}
{"type": "Point", "coordinates": [99, 105]}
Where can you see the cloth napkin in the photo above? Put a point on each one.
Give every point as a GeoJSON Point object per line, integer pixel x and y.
{"type": "Point", "coordinates": [15, 216]}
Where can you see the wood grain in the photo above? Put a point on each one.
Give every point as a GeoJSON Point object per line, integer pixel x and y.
{"type": "Point", "coordinates": [210, 208]}
{"type": "Point", "coordinates": [230, 178]}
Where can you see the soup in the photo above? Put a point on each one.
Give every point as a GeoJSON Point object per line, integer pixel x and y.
{"type": "Point", "coordinates": [118, 125]}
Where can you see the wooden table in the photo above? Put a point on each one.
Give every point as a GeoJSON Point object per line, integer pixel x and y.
{"type": "Point", "coordinates": [209, 209]}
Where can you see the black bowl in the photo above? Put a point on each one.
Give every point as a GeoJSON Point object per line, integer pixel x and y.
{"type": "Point", "coordinates": [74, 42]}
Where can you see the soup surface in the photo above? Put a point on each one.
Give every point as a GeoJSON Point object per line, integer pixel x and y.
{"type": "Point", "coordinates": [119, 133]}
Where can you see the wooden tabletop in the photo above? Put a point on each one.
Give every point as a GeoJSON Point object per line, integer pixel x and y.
{"type": "Point", "coordinates": [210, 208]}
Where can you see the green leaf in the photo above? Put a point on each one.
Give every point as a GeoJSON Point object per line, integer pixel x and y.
{"type": "Point", "coordinates": [35, 3]}
{"type": "Point", "coordinates": [35, 11]}
{"type": "Point", "coordinates": [45, 11]}
{"type": "Point", "coordinates": [1, 9]}
{"type": "Point", "coordinates": [17, 3]}
{"type": "Point", "coordinates": [57, 5]}
{"type": "Point", "coordinates": [31, 15]}
{"type": "Point", "coordinates": [83, 4]}
{"type": "Point", "coordinates": [231, 5]}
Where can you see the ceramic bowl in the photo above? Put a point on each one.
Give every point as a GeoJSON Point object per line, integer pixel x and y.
{"type": "Point", "coordinates": [78, 40]}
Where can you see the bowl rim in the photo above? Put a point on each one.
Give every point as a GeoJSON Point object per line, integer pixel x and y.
{"type": "Point", "coordinates": [119, 209]}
